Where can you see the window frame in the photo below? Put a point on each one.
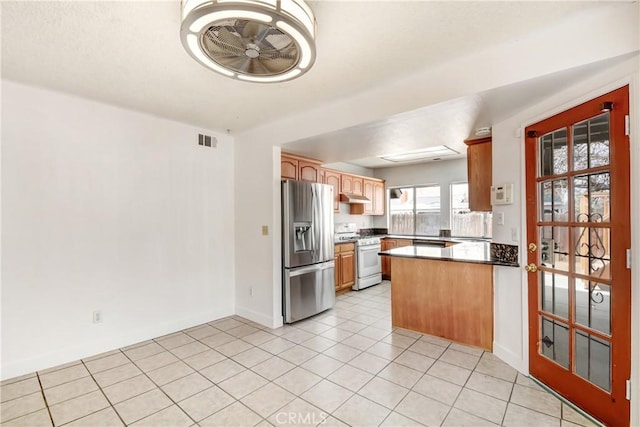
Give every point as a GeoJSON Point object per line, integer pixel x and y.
{"type": "Point", "coordinates": [485, 220]}
{"type": "Point", "coordinates": [414, 188]}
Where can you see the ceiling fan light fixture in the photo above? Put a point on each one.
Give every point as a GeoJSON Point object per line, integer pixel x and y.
{"type": "Point", "coordinates": [261, 41]}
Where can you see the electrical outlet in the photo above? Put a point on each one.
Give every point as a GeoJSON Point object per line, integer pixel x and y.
{"type": "Point", "coordinates": [265, 230]}
{"type": "Point", "coordinates": [97, 316]}
{"type": "Point", "coordinates": [500, 218]}
{"type": "Point", "coordinates": [515, 235]}
{"type": "Point", "coordinates": [250, 292]}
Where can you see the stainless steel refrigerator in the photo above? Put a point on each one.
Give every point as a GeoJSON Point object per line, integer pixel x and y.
{"type": "Point", "coordinates": [308, 273]}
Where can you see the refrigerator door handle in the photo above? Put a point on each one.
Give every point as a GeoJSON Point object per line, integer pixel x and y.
{"type": "Point", "coordinates": [308, 269]}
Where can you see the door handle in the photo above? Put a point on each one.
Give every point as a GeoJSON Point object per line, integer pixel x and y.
{"type": "Point", "coordinates": [531, 268]}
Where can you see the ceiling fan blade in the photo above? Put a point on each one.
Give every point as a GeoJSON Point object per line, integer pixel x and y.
{"type": "Point", "coordinates": [230, 39]}
{"type": "Point", "coordinates": [237, 63]}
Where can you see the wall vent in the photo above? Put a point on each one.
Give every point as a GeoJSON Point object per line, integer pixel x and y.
{"type": "Point", "coordinates": [207, 140]}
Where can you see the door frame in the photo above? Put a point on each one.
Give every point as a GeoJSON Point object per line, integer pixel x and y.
{"type": "Point", "coordinates": [556, 104]}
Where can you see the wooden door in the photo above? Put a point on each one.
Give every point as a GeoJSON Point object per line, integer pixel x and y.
{"type": "Point", "coordinates": [479, 167]}
{"type": "Point", "coordinates": [333, 179]}
{"type": "Point", "coordinates": [308, 171]}
{"type": "Point", "coordinates": [336, 260]}
{"type": "Point", "coordinates": [288, 168]}
{"type": "Point", "coordinates": [347, 267]}
{"type": "Point", "coordinates": [578, 231]}
{"type": "Point", "coordinates": [346, 184]}
{"type": "Point", "coordinates": [386, 261]}
{"type": "Point", "coordinates": [369, 193]}
{"type": "Point", "coordinates": [378, 198]}
{"type": "Point", "coordinates": [356, 186]}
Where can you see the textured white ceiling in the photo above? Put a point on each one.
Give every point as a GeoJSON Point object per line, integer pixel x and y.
{"type": "Point", "coordinates": [128, 53]}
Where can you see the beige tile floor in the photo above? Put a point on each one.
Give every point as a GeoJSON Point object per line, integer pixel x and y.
{"type": "Point", "coordinates": [347, 366]}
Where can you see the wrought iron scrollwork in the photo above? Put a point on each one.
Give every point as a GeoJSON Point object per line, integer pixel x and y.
{"type": "Point", "coordinates": [595, 295]}
{"type": "Point", "coordinates": [591, 245]}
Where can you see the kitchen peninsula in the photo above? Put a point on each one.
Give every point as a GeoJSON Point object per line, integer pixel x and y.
{"type": "Point", "coordinates": [447, 291]}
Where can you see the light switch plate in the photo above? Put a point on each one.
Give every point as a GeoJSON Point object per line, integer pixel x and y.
{"type": "Point", "coordinates": [500, 218]}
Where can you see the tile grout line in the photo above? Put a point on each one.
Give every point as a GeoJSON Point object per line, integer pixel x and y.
{"type": "Point", "coordinates": [102, 392]}
{"type": "Point", "coordinates": [46, 404]}
{"type": "Point", "coordinates": [158, 387]}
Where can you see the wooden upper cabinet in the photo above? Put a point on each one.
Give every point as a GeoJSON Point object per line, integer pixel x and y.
{"type": "Point", "coordinates": [346, 184]}
{"type": "Point", "coordinates": [356, 187]}
{"type": "Point", "coordinates": [374, 191]}
{"type": "Point", "coordinates": [378, 198]}
{"type": "Point", "coordinates": [299, 168]}
{"type": "Point", "coordinates": [479, 166]}
{"type": "Point", "coordinates": [368, 192]}
{"type": "Point", "coordinates": [333, 179]}
{"type": "Point", "coordinates": [288, 167]}
{"type": "Point", "coordinates": [308, 171]}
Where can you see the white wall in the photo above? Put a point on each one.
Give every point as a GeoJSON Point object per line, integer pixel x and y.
{"type": "Point", "coordinates": [441, 173]}
{"type": "Point", "coordinates": [362, 221]}
{"type": "Point", "coordinates": [258, 267]}
{"type": "Point", "coordinates": [511, 335]}
{"type": "Point", "coordinates": [112, 210]}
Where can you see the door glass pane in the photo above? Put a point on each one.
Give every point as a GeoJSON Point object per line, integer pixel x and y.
{"type": "Point", "coordinates": [592, 251]}
{"type": "Point", "coordinates": [591, 143]}
{"type": "Point", "coordinates": [554, 343]}
{"type": "Point", "coordinates": [555, 200]}
{"type": "Point", "coordinates": [553, 153]}
{"type": "Point", "coordinates": [593, 359]}
{"type": "Point", "coordinates": [546, 207]}
{"type": "Point", "coordinates": [591, 197]}
{"type": "Point", "coordinates": [593, 305]}
{"type": "Point", "coordinates": [560, 200]}
{"type": "Point", "coordinates": [554, 293]}
{"type": "Point", "coordinates": [554, 247]}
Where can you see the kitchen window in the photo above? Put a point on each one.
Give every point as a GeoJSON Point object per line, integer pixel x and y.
{"type": "Point", "coordinates": [416, 211]}
{"type": "Point", "coordinates": [465, 223]}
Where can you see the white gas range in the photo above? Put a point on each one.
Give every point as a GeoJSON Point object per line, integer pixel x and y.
{"type": "Point", "coordinates": [368, 263]}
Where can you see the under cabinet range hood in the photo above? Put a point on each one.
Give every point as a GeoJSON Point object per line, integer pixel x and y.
{"type": "Point", "coordinates": [353, 198]}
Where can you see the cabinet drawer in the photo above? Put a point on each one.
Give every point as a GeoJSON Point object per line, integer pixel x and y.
{"type": "Point", "coordinates": [345, 247]}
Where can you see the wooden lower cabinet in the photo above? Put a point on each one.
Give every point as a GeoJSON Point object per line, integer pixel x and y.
{"type": "Point", "coordinates": [386, 261]}
{"type": "Point", "coordinates": [452, 300]}
{"type": "Point", "coordinates": [345, 269]}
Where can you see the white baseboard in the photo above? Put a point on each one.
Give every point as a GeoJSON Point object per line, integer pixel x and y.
{"type": "Point", "coordinates": [260, 318]}
{"type": "Point", "coordinates": [85, 349]}
{"type": "Point", "coordinates": [512, 359]}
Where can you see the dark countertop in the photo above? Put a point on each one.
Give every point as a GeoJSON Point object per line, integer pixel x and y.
{"type": "Point", "coordinates": [436, 238]}
{"type": "Point", "coordinates": [339, 242]}
{"type": "Point", "coordinates": [473, 252]}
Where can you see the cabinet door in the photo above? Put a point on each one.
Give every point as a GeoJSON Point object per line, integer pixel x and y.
{"type": "Point", "coordinates": [333, 179]}
{"type": "Point", "coordinates": [356, 187]}
{"type": "Point", "coordinates": [386, 261]}
{"type": "Point", "coordinates": [378, 198]}
{"type": "Point", "coordinates": [348, 268]}
{"type": "Point", "coordinates": [346, 184]}
{"type": "Point", "coordinates": [403, 242]}
{"type": "Point", "coordinates": [337, 270]}
{"type": "Point", "coordinates": [308, 171]}
{"type": "Point", "coordinates": [479, 175]}
{"type": "Point", "coordinates": [369, 193]}
{"type": "Point", "coordinates": [288, 168]}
